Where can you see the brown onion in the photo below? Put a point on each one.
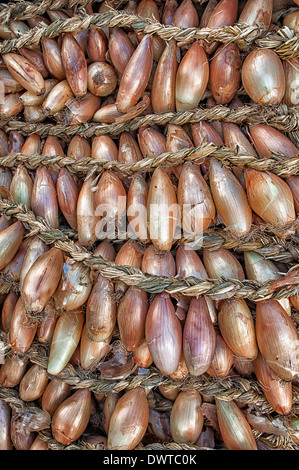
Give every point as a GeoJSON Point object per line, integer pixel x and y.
{"type": "Point", "coordinates": [186, 420]}
{"type": "Point", "coordinates": [223, 359]}
{"type": "Point", "coordinates": [234, 428]}
{"type": "Point", "coordinates": [54, 394]}
{"type": "Point", "coordinates": [230, 198]}
{"type": "Point", "coordinates": [268, 140]}
{"type": "Point", "coordinates": [199, 337]}
{"type": "Point", "coordinates": [161, 210]}
{"type": "Point", "coordinates": [225, 73]}
{"type": "Point", "coordinates": [71, 417]}
{"type": "Point", "coordinates": [163, 334]}
{"type": "Point", "coordinates": [269, 197]}
{"type": "Point", "coordinates": [237, 327]}
{"type": "Point", "coordinates": [131, 315]}
{"type": "Point", "coordinates": [33, 383]}
{"type": "Point", "coordinates": [278, 392]}
{"type": "Point", "coordinates": [263, 77]}
{"type": "Point", "coordinates": [257, 12]}
{"type": "Point", "coordinates": [74, 63]}
{"type": "Point", "coordinates": [5, 419]}
{"type": "Point", "coordinates": [163, 86]}
{"type": "Point", "coordinates": [129, 420]}
{"type": "Point", "coordinates": [192, 78]}
{"type": "Point", "coordinates": [135, 76]}
{"type": "Point", "coordinates": [277, 339]}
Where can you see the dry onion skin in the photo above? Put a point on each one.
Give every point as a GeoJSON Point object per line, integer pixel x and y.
{"type": "Point", "coordinates": [125, 209]}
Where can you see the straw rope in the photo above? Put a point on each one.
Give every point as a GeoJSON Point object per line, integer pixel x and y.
{"type": "Point", "coordinates": [280, 117]}
{"type": "Point", "coordinates": [285, 42]}
{"type": "Point", "coordinates": [279, 164]}
{"type": "Point", "coordinates": [216, 289]}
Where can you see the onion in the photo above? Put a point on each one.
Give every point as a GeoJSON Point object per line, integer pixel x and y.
{"type": "Point", "coordinates": [186, 420]}
{"type": "Point", "coordinates": [277, 339]}
{"type": "Point", "coordinates": [192, 78]}
{"type": "Point", "coordinates": [163, 334]}
{"type": "Point", "coordinates": [129, 420]}
{"type": "Point", "coordinates": [263, 77]}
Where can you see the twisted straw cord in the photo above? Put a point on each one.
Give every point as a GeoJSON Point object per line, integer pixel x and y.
{"type": "Point", "coordinates": [23, 10]}
{"type": "Point", "coordinates": [251, 290]}
{"type": "Point", "coordinates": [279, 164]}
{"type": "Point", "coordinates": [285, 42]}
{"type": "Point", "coordinates": [280, 117]}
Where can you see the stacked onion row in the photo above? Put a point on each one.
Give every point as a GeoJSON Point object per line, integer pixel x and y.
{"type": "Point", "coordinates": [110, 74]}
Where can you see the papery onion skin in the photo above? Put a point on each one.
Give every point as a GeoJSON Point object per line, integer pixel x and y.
{"type": "Point", "coordinates": [192, 78]}
{"type": "Point", "coordinates": [161, 210]}
{"type": "Point", "coordinates": [71, 417]}
{"type": "Point", "coordinates": [237, 327]}
{"type": "Point", "coordinates": [230, 199]}
{"type": "Point", "coordinates": [277, 339]}
{"type": "Point", "coordinates": [269, 197]}
{"type": "Point", "coordinates": [225, 73]}
{"type": "Point", "coordinates": [234, 428]}
{"type": "Point", "coordinates": [5, 418]}
{"type": "Point", "coordinates": [163, 334]}
{"type": "Point", "coordinates": [199, 338]}
{"type": "Point", "coordinates": [257, 12]}
{"type": "Point", "coordinates": [129, 420]}
{"type": "Point", "coordinates": [186, 420]}
{"type": "Point", "coordinates": [66, 338]}
{"type": "Point", "coordinates": [163, 86]}
{"type": "Point", "coordinates": [135, 76]}
{"type": "Point", "coordinates": [263, 77]}
{"type": "Point", "coordinates": [278, 392]}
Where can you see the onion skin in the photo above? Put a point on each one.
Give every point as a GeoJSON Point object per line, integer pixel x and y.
{"type": "Point", "coordinates": [161, 210]}
{"type": "Point", "coordinates": [129, 420]}
{"type": "Point", "coordinates": [136, 206]}
{"type": "Point", "coordinates": [131, 315]}
{"type": "Point", "coordinates": [222, 263]}
{"type": "Point", "coordinates": [86, 219]}
{"type": "Point", "coordinates": [12, 371]}
{"type": "Point", "coordinates": [189, 264]}
{"type": "Point", "coordinates": [67, 194]}
{"type": "Point", "coordinates": [186, 420]}
{"type": "Point", "coordinates": [268, 140]}
{"type": "Point", "coordinates": [33, 383]}
{"type": "Point", "coordinates": [75, 65]}
{"type": "Point", "coordinates": [44, 197]}
{"type": "Point", "coordinates": [225, 73]}
{"type": "Point", "coordinates": [71, 417]}
{"type": "Point", "coordinates": [7, 309]}
{"type": "Point", "coordinates": [163, 334]}
{"type": "Point", "coordinates": [97, 45]}
{"type": "Point", "coordinates": [135, 76]}
{"type": "Point", "coordinates": [237, 327]}
{"type": "Point", "coordinates": [66, 338]}
{"type": "Point", "coordinates": [91, 352]}
{"type": "Point", "coordinates": [128, 151]}
{"type": "Point", "coordinates": [25, 73]}
{"type": "Point", "coordinates": [278, 392]}
{"type": "Point", "coordinates": [199, 338]}
{"type": "Point", "coordinates": [52, 58]}
{"type": "Point", "coordinates": [223, 359]}
{"type": "Point", "coordinates": [293, 183]}
{"type": "Point", "coordinates": [22, 330]}
{"type": "Point", "coordinates": [10, 241]}
{"type": "Point", "coordinates": [230, 199]}
{"type": "Point", "coordinates": [269, 197]}
{"type": "Point", "coordinates": [101, 310]}
{"type": "Point", "coordinates": [194, 194]}
{"type": "Point", "coordinates": [277, 339]}
{"type": "Point", "coordinates": [263, 77]}
{"type": "Point", "coordinates": [5, 418]}
{"type": "Point", "coordinates": [158, 263]}
{"type": "Point", "coordinates": [291, 70]}
{"type": "Point", "coordinates": [54, 394]}
{"type": "Point", "coordinates": [257, 13]}
{"type": "Point", "coordinates": [163, 86]}
{"type": "Point", "coordinates": [234, 428]}
{"type": "Point", "coordinates": [42, 279]}
{"type": "Point", "coordinates": [192, 78]}
{"type": "Point", "coordinates": [21, 440]}
{"type": "Point", "coordinates": [186, 15]}
{"type": "Point", "coordinates": [120, 49]}
{"type": "Point", "coordinates": [39, 444]}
